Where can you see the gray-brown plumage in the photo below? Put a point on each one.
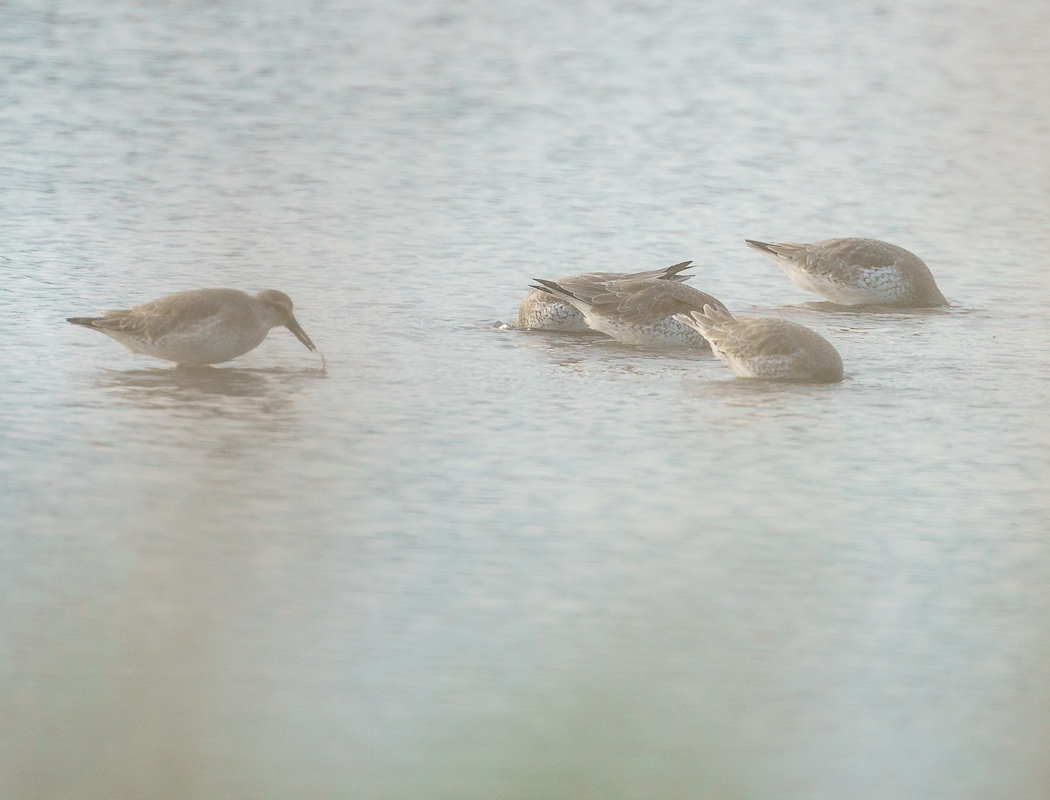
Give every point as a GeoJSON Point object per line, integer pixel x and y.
{"type": "Point", "coordinates": [541, 310]}
{"type": "Point", "coordinates": [200, 326]}
{"type": "Point", "coordinates": [637, 311]}
{"type": "Point", "coordinates": [767, 347]}
{"type": "Point", "coordinates": [856, 271]}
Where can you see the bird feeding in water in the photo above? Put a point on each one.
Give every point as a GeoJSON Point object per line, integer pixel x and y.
{"type": "Point", "coordinates": [854, 272]}
{"type": "Point", "coordinates": [766, 347]}
{"type": "Point", "coordinates": [541, 310]}
{"type": "Point", "coordinates": [200, 326]}
{"type": "Point", "coordinates": [637, 311]}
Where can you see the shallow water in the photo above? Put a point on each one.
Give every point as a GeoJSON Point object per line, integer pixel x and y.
{"type": "Point", "coordinates": [468, 562]}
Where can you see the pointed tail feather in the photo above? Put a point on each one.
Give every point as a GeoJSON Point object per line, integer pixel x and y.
{"type": "Point", "coordinates": [671, 273]}
{"type": "Point", "coordinates": [87, 322]}
{"type": "Point", "coordinates": [788, 251]}
{"type": "Point", "coordinates": [558, 290]}
{"type": "Point", "coordinates": [763, 247]}
{"type": "Point", "coordinates": [707, 322]}
{"type": "Point", "coordinates": [719, 315]}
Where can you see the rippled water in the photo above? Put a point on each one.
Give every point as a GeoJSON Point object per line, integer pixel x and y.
{"type": "Point", "coordinates": [476, 563]}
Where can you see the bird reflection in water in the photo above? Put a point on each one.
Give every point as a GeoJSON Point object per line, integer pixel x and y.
{"type": "Point", "coordinates": [210, 383]}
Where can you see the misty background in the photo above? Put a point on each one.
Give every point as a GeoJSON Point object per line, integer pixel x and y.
{"type": "Point", "coordinates": [469, 562]}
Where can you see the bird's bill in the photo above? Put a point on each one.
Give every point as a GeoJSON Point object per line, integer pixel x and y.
{"type": "Point", "coordinates": [300, 334]}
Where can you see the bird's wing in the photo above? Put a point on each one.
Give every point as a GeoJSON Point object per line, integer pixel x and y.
{"type": "Point", "coordinates": [849, 259]}
{"type": "Point", "coordinates": [757, 336]}
{"type": "Point", "coordinates": [159, 317]}
{"type": "Point", "coordinates": [667, 273]}
{"type": "Point", "coordinates": [634, 301]}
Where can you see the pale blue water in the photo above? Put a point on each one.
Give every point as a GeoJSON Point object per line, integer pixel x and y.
{"type": "Point", "coordinates": [476, 563]}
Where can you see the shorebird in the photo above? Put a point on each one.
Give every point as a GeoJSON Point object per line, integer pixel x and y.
{"type": "Point", "coordinates": [200, 326]}
{"type": "Point", "coordinates": [854, 272]}
{"type": "Point", "coordinates": [541, 310]}
{"type": "Point", "coordinates": [637, 310]}
{"type": "Point", "coordinates": [766, 347]}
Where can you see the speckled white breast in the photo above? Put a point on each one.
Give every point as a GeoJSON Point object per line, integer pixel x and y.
{"type": "Point", "coordinates": [540, 311]}
{"type": "Point", "coordinates": [873, 286]}
{"type": "Point", "coordinates": [664, 332]}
